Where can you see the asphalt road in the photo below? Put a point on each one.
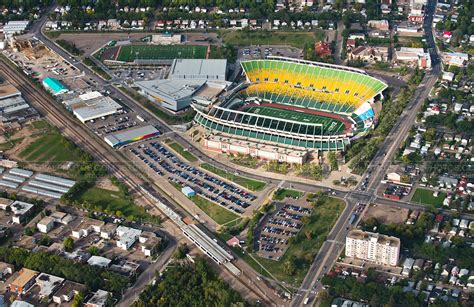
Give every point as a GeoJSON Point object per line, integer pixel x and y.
{"type": "Point", "coordinates": [331, 249]}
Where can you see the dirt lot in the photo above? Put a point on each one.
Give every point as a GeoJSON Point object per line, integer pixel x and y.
{"type": "Point", "coordinates": [386, 215]}
{"type": "Point", "coordinates": [90, 42]}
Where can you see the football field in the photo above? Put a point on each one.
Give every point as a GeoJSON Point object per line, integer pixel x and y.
{"type": "Point", "coordinates": [129, 53]}
{"type": "Point", "coordinates": [330, 125]}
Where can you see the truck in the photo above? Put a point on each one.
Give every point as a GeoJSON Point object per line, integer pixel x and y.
{"type": "Point", "coordinates": [306, 300]}
{"type": "Point", "coordinates": [140, 118]}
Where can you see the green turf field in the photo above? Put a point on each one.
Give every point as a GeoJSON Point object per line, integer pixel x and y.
{"type": "Point", "coordinates": [129, 53]}
{"type": "Point", "coordinates": [330, 125]}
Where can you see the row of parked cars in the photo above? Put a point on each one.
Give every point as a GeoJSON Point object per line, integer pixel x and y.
{"type": "Point", "coordinates": [162, 161]}
{"type": "Point", "coordinates": [284, 224]}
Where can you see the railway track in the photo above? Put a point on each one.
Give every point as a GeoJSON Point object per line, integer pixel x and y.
{"type": "Point", "coordinates": [83, 137]}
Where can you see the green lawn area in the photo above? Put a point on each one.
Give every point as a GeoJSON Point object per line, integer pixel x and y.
{"type": "Point", "coordinates": [214, 211]}
{"type": "Point", "coordinates": [425, 197]}
{"type": "Point", "coordinates": [251, 184]}
{"type": "Point", "coordinates": [329, 124]}
{"type": "Point", "coordinates": [129, 53]}
{"type": "Point", "coordinates": [295, 39]}
{"type": "Point", "coordinates": [49, 147]}
{"type": "Point", "coordinates": [304, 247]}
{"type": "Point", "coordinates": [184, 153]}
{"type": "Point", "coordinates": [281, 194]}
{"type": "Point", "coordinates": [110, 202]}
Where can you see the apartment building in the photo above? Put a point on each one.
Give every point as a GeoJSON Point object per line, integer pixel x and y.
{"type": "Point", "coordinates": [373, 247]}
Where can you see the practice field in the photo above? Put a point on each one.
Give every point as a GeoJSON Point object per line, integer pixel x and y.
{"type": "Point", "coordinates": [129, 53]}
{"type": "Point", "coordinates": [329, 125]}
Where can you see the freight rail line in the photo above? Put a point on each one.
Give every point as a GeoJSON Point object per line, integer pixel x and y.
{"type": "Point", "coordinates": [83, 137]}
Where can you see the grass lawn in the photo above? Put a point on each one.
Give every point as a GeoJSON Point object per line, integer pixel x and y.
{"type": "Point", "coordinates": [49, 147]}
{"type": "Point", "coordinates": [184, 153]}
{"type": "Point", "coordinates": [425, 197]}
{"type": "Point", "coordinates": [111, 202]}
{"type": "Point", "coordinates": [281, 194]}
{"type": "Point", "coordinates": [214, 211]}
{"type": "Point", "coordinates": [129, 53]}
{"type": "Point", "coordinates": [306, 244]}
{"type": "Point", "coordinates": [295, 39]}
{"type": "Point", "coordinates": [253, 185]}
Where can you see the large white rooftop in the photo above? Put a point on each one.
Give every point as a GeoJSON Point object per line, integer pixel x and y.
{"type": "Point", "coordinates": [206, 69]}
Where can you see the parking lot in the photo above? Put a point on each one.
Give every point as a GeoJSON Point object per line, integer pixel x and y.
{"type": "Point", "coordinates": [122, 120]}
{"type": "Point", "coordinates": [164, 163]}
{"type": "Point", "coordinates": [134, 74]}
{"type": "Point", "coordinates": [279, 227]}
{"type": "Point", "coordinates": [261, 52]}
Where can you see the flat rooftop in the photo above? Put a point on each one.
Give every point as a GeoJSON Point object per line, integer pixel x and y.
{"type": "Point", "coordinates": [381, 239]}
{"type": "Point", "coordinates": [131, 134]}
{"type": "Point", "coordinates": [198, 68]}
{"type": "Point", "coordinates": [172, 89]}
{"type": "Point", "coordinates": [7, 90]}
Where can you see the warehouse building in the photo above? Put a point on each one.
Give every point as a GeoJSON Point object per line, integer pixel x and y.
{"type": "Point", "coordinates": [190, 80]}
{"type": "Point", "coordinates": [92, 105]}
{"type": "Point", "coordinates": [21, 172]}
{"type": "Point", "coordinates": [54, 86]}
{"type": "Point", "coordinates": [131, 135]}
{"type": "Point", "coordinates": [13, 108]}
{"type": "Point", "coordinates": [15, 27]}
{"type": "Point", "coordinates": [55, 180]}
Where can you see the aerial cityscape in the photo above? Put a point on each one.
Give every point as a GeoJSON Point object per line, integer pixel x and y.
{"type": "Point", "coordinates": [237, 153]}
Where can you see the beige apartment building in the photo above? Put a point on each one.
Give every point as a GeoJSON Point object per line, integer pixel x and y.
{"type": "Point", "coordinates": [373, 247]}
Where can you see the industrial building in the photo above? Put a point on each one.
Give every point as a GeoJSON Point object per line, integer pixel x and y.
{"type": "Point", "coordinates": [15, 27]}
{"type": "Point", "coordinates": [13, 108]}
{"type": "Point", "coordinates": [373, 247]}
{"type": "Point", "coordinates": [54, 86]}
{"type": "Point", "coordinates": [190, 80]}
{"type": "Point", "coordinates": [55, 180]}
{"type": "Point", "coordinates": [48, 186]}
{"type": "Point", "coordinates": [92, 105]}
{"type": "Point", "coordinates": [40, 191]}
{"type": "Point", "coordinates": [21, 172]}
{"type": "Point", "coordinates": [131, 135]}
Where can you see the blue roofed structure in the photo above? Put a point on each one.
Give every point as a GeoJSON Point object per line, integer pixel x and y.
{"type": "Point", "coordinates": [54, 86]}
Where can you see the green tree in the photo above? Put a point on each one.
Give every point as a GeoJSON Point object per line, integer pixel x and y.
{"type": "Point", "coordinates": [68, 244]}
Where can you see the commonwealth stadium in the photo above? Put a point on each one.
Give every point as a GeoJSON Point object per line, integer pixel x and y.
{"type": "Point", "coordinates": [291, 105]}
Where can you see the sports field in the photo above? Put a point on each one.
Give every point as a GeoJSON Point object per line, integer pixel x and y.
{"type": "Point", "coordinates": [129, 53]}
{"type": "Point", "coordinates": [330, 125]}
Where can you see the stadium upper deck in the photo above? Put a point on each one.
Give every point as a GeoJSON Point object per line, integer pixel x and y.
{"type": "Point", "coordinates": [330, 87]}
{"type": "Point", "coordinates": [297, 103]}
